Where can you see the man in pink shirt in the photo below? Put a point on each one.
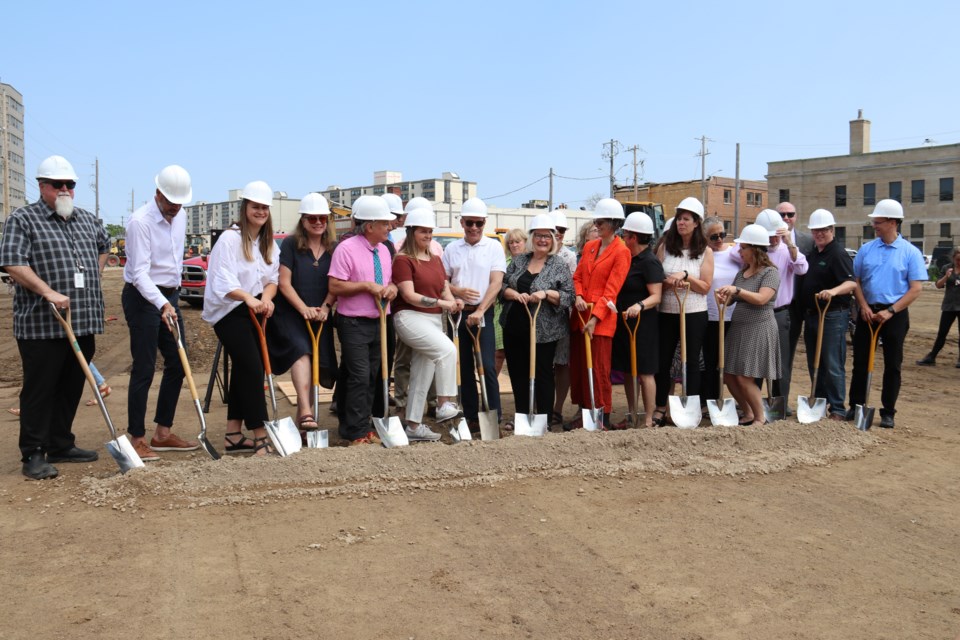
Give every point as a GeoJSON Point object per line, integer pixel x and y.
{"type": "Point", "coordinates": [361, 278]}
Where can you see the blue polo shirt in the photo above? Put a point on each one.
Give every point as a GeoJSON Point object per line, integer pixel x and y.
{"type": "Point", "coordinates": [886, 270]}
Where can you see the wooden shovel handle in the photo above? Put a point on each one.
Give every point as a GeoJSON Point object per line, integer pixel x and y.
{"type": "Point", "coordinates": [586, 336]}
{"type": "Point", "coordinates": [455, 326]}
{"type": "Point", "coordinates": [632, 332]}
{"type": "Point", "coordinates": [315, 342]}
{"type": "Point", "coordinates": [174, 325]}
{"type": "Point", "coordinates": [874, 334]}
{"type": "Point", "coordinates": [682, 301]}
{"type": "Point", "coordinates": [533, 337]}
{"type": "Point", "coordinates": [260, 322]}
{"type": "Point", "coordinates": [822, 312]}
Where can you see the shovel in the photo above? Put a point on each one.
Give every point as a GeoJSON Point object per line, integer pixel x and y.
{"type": "Point", "coordinates": [119, 447]}
{"type": "Point", "coordinates": [531, 424]}
{"type": "Point", "coordinates": [863, 416]}
{"type": "Point", "coordinates": [684, 409]}
{"type": "Point", "coordinates": [774, 408]}
{"type": "Point", "coordinates": [390, 430]}
{"type": "Point", "coordinates": [204, 441]}
{"type": "Point", "coordinates": [461, 430]}
{"type": "Point", "coordinates": [592, 418]}
{"type": "Point", "coordinates": [283, 433]}
{"type": "Point", "coordinates": [489, 423]}
{"type": "Point", "coordinates": [316, 439]}
{"type": "Point", "coordinates": [807, 413]}
{"type": "Point", "coordinates": [723, 413]}
{"type": "Point", "coordinates": [632, 332]}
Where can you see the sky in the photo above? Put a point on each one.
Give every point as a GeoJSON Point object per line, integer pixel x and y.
{"type": "Point", "coordinates": [308, 95]}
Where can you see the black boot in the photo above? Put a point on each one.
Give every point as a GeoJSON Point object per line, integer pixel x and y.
{"type": "Point", "coordinates": [37, 467]}
{"type": "Point", "coordinates": [928, 360]}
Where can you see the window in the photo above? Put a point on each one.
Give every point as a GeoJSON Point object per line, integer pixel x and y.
{"type": "Point", "coordinates": [918, 244]}
{"type": "Point", "coordinates": [870, 193]}
{"type": "Point", "coordinates": [896, 191]}
{"type": "Point", "coordinates": [868, 232]}
{"type": "Point", "coordinates": [784, 195]}
{"type": "Point", "coordinates": [946, 189]}
{"type": "Point", "coordinates": [916, 190]}
{"type": "Point", "coordinates": [758, 199]}
{"type": "Point", "coordinates": [727, 196]}
{"type": "Point", "coordinates": [841, 235]}
{"type": "Point", "coordinates": [916, 230]}
{"type": "Point", "coordinates": [945, 230]}
{"type": "Point", "coordinates": [840, 195]}
{"type": "Point", "coordinates": [749, 198]}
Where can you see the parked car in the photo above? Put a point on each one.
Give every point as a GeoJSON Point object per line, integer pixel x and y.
{"type": "Point", "coordinates": [193, 277]}
{"type": "Point", "coordinates": [851, 252]}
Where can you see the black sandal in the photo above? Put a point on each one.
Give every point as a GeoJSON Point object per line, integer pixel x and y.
{"type": "Point", "coordinates": [263, 443]}
{"type": "Point", "coordinates": [662, 420]}
{"type": "Point", "coordinates": [242, 445]}
{"type": "Point", "coordinates": [307, 423]}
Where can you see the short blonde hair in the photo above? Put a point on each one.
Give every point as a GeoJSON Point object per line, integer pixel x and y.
{"type": "Point", "coordinates": [554, 245]}
{"type": "Point", "coordinates": [512, 235]}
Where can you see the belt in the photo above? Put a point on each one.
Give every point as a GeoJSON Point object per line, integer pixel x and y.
{"type": "Point", "coordinates": [168, 291]}
{"type": "Point", "coordinates": [781, 308]}
{"type": "Point", "coordinates": [470, 307]}
{"type": "Point", "coordinates": [880, 307]}
{"type": "Point", "coordinates": [838, 307]}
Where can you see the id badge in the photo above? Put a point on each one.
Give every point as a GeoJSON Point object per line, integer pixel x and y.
{"type": "Point", "coordinates": [78, 280]}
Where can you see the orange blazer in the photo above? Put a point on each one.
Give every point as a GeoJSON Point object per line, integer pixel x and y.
{"type": "Point", "coordinates": [598, 280]}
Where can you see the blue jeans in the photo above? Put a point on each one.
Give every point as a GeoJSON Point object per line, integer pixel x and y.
{"type": "Point", "coordinates": [833, 356]}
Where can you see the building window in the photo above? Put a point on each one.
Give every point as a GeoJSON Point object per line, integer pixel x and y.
{"type": "Point", "coordinates": [870, 193]}
{"type": "Point", "coordinates": [841, 235]}
{"type": "Point", "coordinates": [840, 195]}
{"type": "Point", "coordinates": [758, 199]}
{"type": "Point", "coordinates": [916, 190]}
{"type": "Point", "coordinates": [945, 230]}
{"type": "Point", "coordinates": [728, 196]}
{"type": "Point", "coordinates": [946, 189]}
{"type": "Point", "coordinates": [868, 232]}
{"type": "Point", "coordinates": [896, 191]}
{"type": "Point", "coordinates": [749, 198]}
{"type": "Point", "coordinates": [784, 195]}
{"type": "Point", "coordinates": [916, 230]}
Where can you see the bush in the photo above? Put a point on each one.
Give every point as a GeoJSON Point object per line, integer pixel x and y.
{"type": "Point", "coordinates": [933, 273]}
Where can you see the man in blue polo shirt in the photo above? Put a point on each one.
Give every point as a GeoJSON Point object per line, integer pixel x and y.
{"type": "Point", "coordinates": [890, 274]}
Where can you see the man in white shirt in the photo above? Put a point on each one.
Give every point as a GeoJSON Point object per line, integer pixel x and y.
{"type": "Point", "coordinates": [475, 266]}
{"type": "Point", "coordinates": [155, 239]}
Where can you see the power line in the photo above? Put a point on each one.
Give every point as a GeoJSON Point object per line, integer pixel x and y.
{"type": "Point", "coordinates": [515, 190]}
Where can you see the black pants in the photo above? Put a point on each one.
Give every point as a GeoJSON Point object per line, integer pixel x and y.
{"type": "Point", "coordinates": [516, 345]}
{"type": "Point", "coordinates": [148, 333]}
{"type": "Point", "coordinates": [696, 324]}
{"type": "Point", "coordinates": [52, 386]}
{"type": "Point", "coordinates": [946, 321]}
{"type": "Point", "coordinates": [710, 382]}
{"type": "Point", "coordinates": [358, 379]}
{"type": "Point", "coordinates": [245, 398]}
{"type": "Point", "coordinates": [468, 376]}
{"type": "Point", "coordinates": [892, 332]}
{"type": "Point", "coordinates": [378, 400]}
{"type": "Point", "coordinates": [797, 314]}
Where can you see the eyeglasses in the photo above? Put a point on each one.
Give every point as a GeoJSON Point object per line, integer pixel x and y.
{"type": "Point", "coordinates": [474, 223]}
{"type": "Point", "coordinates": [788, 214]}
{"type": "Point", "coordinates": [542, 236]}
{"type": "Point", "coordinates": [315, 219]}
{"type": "Point", "coordinates": [718, 236]}
{"type": "Point", "coordinates": [59, 184]}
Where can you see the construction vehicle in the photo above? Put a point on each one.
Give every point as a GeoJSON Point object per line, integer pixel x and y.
{"type": "Point", "coordinates": [652, 209]}
{"type": "Point", "coordinates": [118, 254]}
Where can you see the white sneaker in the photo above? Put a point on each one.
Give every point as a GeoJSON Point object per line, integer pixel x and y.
{"type": "Point", "coordinates": [422, 433]}
{"type": "Point", "coordinates": [448, 411]}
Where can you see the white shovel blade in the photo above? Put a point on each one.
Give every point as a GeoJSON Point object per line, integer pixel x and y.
{"type": "Point", "coordinates": [318, 439]}
{"type": "Point", "coordinates": [489, 425]}
{"type": "Point", "coordinates": [807, 413]}
{"type": "Point", "coordinates": [391, 432]}
{"type": "Point", "coordinates": [590, 421]}
{"type": "Point", "coordinates": [460, 431]}
{"type": "Point", "coordinates": [530, 425]}
{"type": "Point", "coordinates": [725, 416]}
{"type": "Point", "coordinates": [124, 454]}
{"type": "Point", "coordinates": [285, 436]}
{"type": "Point", "coordinates": [685, 412]}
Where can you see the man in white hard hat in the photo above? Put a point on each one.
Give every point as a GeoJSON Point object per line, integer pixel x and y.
{"type": "Point", "coordinates": [829, 281]}
{"type": "Point", "coordinates": [55, 252]}
{"type": "Point", "coordinates": [804, 243]}
{"type": "Point", "coordinates": [155, 240]}
{"type": "Point", "coordinates": [475, 266]}
{"type": "Point", "coordinates": [890, 273]}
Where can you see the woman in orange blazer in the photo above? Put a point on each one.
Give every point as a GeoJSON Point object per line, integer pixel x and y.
{"type": "Point", "coordinates": [597, 280]}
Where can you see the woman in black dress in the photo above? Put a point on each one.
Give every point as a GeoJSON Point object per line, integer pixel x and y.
{"type": "Point", "coordinates": [304, 263]}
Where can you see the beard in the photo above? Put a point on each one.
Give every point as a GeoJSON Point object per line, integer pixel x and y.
{"type": "Point", "coordinates": [64, 206]}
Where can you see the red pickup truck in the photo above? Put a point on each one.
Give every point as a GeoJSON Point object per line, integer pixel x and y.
{"type": "Point", "coordinates": [193, 278]}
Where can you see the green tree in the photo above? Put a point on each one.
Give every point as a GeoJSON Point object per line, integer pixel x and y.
{"type": "Point", "coordinates": [115, 230]}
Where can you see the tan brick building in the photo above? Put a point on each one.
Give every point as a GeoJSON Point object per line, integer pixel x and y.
{"type": "Point", "coordinates": [922, 178]}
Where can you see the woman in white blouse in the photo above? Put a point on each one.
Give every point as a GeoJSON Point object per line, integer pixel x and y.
{"type": "Point", "coordinates": [242, 275]}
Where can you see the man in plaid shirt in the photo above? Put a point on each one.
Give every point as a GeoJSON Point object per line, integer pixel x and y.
{"type": "Point", "coordinates": [55, 253]}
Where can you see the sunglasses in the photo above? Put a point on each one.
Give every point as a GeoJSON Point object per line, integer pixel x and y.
{"type": "Point", "coordinates": [60, 184]}
{"type": "Point", "coordinates": [718, 236]}
{"type": "Point", "coordinates": [315, 219]}
{"type": "Point", "coordinates": [474, 223]}
{"type": "Point", "coordinates": [788, 214]}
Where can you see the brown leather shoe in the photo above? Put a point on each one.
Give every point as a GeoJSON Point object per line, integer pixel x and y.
{"type": "Point", "coordinates": [146, 453]}
{"type": "Point", "coordinates": [173, 442]}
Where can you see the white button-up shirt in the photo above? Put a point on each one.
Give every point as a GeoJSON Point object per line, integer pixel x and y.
{"type": "Point", "coordinates": [469, 265]}
{"type": "Point", "coordinates": [154, 252]}
{"type": "Point", "coordinates": [227, 271]}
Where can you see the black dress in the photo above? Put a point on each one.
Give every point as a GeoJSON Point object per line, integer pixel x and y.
{"type": "Point", "coordinates": [644, 269]}
{"type": "Point", "coordinates": [287, 336]}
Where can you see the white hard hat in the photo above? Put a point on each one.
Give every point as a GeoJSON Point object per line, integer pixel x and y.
{"type": "Point", "coordinates": [56, 168]}
{"type": "Point", "coordinates": [608, 209]}
{"type": "Point", "coordinates": [639, 222]}
{"type": "Point", "coordinates": [258, 191]}
{"type": "Point", "coordinates": [754, 234]}
{"type": "Point", "coordinates": [771, 221]}
{"type": "Point", "coordinates": [474, 208]}
{"type": "Point", "coordinates": [421, 217]}
{"type": "Point", "coordinates": [821, 219]}
{"type": "Point", "coordinates": [418, 203]}
{"type": "Point", "coordinates": [372, 208]}
{"type": "Point", "coordinates": [667, 225]}
{"type": "Point", "coordinates": [394, 202]}
{"type": "Point", "coordinates": [559, 219]}
{"type": "Point", "coordinates": [314, 204]}
{"type": "Point", "coordinates": [692, 205]}
{"type": "Point", "coordinates": [887, 209]}
{"type": "Point", "coordinates": [174, 183]}
{"type": "Point", "coordinates": [542, 221]}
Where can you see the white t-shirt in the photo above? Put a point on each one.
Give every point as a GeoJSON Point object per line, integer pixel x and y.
{"type": "Point", "coordinates": [470, 265]}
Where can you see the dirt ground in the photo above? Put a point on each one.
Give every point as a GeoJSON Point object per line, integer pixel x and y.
{"type": "Point", "coordinates": [786, 531]}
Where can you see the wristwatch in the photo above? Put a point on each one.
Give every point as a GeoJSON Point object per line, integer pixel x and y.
{"type": "Point", "coordinates": [641, 305]}
{"type": "Point", "coordinates": [891, 310]}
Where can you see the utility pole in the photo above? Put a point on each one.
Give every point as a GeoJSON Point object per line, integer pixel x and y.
{"type": "Point", "coordinates": [550, 203]}
{"type": "Point", "coordinates": [635, 148]}
{"type": "Point", "coordinates": [96, 186]}
{"type": "Point", "coordinates": [612, 153]}
{"type": "Point", "coordinates": [736, 196]}
{"type": "Point", "coordinates": [6, 164]}
{"type": "Point", "coordinates": [703, 170]}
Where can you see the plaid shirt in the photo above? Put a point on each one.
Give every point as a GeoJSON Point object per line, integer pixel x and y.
{"type": "Point", "coordinates": [36, 237]}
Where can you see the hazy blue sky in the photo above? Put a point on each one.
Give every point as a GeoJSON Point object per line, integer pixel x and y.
{"type": "Point", "coordinates": [305, 95]}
